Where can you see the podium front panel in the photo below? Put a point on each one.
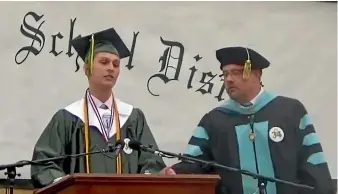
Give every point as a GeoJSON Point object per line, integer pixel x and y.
{"type": "Point", "coordinates": [133, 184]}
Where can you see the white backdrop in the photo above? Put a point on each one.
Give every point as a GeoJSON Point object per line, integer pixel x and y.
{"type": "Point", "coordinates": [298, 38]}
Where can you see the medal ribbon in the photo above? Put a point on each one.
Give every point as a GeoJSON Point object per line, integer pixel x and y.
{"type": "Point", "coordinates": [96, 111]}
{"type": "Point", "coordinates": [116, 120]}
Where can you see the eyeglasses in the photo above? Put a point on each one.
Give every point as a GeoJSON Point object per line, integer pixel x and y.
{"type": "Point", "coordinates": [233, 73]}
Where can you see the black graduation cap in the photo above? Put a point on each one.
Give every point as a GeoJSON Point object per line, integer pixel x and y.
{"type": "Point", "coordinates": [103, 41]}
{"type": "Point", "coordinates": [240, 56]}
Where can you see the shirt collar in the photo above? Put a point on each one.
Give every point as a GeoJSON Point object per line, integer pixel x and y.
{"type": "Point", "coordinates": [98, 103]}
{"type": "Point", "coordinates": [253, 101]}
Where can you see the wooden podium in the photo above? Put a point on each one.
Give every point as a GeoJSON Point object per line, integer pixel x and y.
{"type": "Point", "coordinates": [132, 184]}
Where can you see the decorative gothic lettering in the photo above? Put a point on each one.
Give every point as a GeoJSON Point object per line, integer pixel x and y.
{"type": "Point", "coordinates": [192, 74]}
{"type": "Point", "coordinates": [33, 33]}
{"type": "Point", "coordinates": [71, 32]}
{"type": "Point", "coordinates": [197, 57]}
{"type": "Point", "coordinates": [77, 63]}
{"type": "Point", "coordinates": [220, 93]}
{"type": "Point", "coordinates": [165, 63]}
{"type": "Point", "coordinates": [129, 66]}
{"type": "Point", "coordinates": [170, 63]}
{"type": "Point", "coordinates": [206, 79]}
{"type": "Point", "coordinates": [54, 37]}
{"type": "Point", "coordinates": [193, 71]}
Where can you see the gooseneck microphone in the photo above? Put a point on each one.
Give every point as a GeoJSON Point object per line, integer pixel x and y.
{"type": "Point", "coordinates": [11, 168]}
{"type": "Point", "coordinates": [136, 145]}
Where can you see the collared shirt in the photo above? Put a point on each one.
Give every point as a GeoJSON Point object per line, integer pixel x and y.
{"type": "Point", "coordinates": [105, 114]}
{"type": "Point", "coordinates": [253, 101]}
{"type": "Point", "coordinates": [98, 103]}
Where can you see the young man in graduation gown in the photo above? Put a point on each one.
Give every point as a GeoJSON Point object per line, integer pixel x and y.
{"type": "Point", "coordinates": [95, 121]}
{"type": "Point", "coordinates": [258, 131]}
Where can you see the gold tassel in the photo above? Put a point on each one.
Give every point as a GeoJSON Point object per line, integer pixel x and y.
{"type": "Point", "coordinates": [247, 66]}
{"type": "Point", "coordinates": [92, 43]}
{"type": "Point", "coordinates": [117, 137]}
{"type": "Point", "coordinates": [247, 69]}
{"type": "Point", "coordinates": [86, 125]}
{"type": "Point", "coordinates": [85, 108]}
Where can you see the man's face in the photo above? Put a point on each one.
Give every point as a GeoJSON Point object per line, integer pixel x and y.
{"type": "Point", "coordinates": [236, 86]}
{"type": "Point", "coordinates": [105, 70]}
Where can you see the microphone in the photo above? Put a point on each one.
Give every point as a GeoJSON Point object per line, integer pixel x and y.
{"type": "Point", "coordinates": [126, 147]}
{"type": "Point", "coordinates": [136, 145]}
{"type": "Point", "coordinates": [11, 168]}
{"type": "Point", "coordinates": [115, 148]}
{"type": "Point", "coordinates": [110, 148]}
{"type": "Point", "coordinates": [121, 145]}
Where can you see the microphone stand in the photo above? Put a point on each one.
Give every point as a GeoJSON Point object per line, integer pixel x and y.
{"type": "Point", "coordinates": [262, 180]}
{"type": "Point", "coordinates": [11, 168]}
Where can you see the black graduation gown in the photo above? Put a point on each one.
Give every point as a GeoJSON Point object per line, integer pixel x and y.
{"type": "Point", "coordinates": [291, 153]}
{"type": "Point", "coordinates": [64, 135]}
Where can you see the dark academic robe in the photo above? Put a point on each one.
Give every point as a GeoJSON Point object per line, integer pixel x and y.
{"type": "Point", "coordinates": [65, 135]}
{"type": "Point", "coordinates": [285, 146]}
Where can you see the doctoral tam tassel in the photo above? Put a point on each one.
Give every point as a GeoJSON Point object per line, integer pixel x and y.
{"type": "Point", "coordinates": [247, 69]}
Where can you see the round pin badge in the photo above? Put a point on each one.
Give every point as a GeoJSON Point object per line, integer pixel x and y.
{"type": "Point", "coordinates": [276, 134]}
{"type": "Point", "coordinates": [126, 147]}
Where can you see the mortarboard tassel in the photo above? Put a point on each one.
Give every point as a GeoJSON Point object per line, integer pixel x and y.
{"type": "Point", "coordinates": [247, 66]}
{"type": "Point", "coordinates": [92, 43]}
{"type": "Point", "coordinates": [87, 144]}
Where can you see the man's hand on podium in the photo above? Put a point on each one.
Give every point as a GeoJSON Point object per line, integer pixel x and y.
{"type": "Point", "coordinates": [167, 171]}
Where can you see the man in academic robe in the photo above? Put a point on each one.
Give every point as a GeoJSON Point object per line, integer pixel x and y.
{"type": "Point", "coordinates": [258, 131]}
{"type": "Point", "coordinates": [95, 121]}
